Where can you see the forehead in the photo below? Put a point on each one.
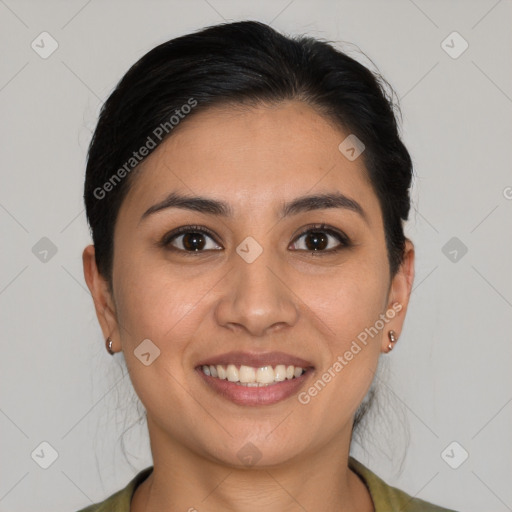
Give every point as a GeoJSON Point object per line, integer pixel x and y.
{"type": "Point", "coordinates": [252, 157]}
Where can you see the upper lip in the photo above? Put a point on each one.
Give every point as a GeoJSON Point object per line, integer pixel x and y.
{"type": "Point", "coordinates": [256, 360]}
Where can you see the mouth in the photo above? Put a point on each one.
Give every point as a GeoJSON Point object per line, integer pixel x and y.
{"type": "Point", "coordinates": [255, 379]}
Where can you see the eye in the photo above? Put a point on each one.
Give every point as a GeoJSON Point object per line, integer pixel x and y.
{"type": "Point", "coordinates": [318, 238]}
{"type": "Point", "coordinates": [192, 239]}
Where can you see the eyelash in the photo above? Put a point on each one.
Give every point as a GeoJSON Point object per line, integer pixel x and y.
{"type": "Point", "coordinates": [345, 242]}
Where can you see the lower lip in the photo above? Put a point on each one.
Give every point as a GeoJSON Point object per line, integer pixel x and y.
{"type": "Point", "coordinates": [264, 395]}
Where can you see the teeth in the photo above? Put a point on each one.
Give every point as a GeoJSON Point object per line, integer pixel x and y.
{"type": "Point", "coordinates": [265, 375]}
{"type": "Point", "coordinates": [280, 373]}
{"type": "Point", "coordinates": [221, 372]}
{"type": "Point", "coordinates": [247, 374]}
{"type": "Point", "coordinates": [232, 373]}
{"type": "Point", "coordinates": [253, 377]}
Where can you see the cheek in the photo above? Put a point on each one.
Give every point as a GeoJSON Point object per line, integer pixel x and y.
{"type": "Point", "coordinates": [350, 298]}
{"type": "Point", "coordinates": [160, 301]}
{"type": "Point", "coordinates": [151, 304]}
{"type": "Point", "coordinates": [155, 305]}
{"type": "Point", "coordinates": [350, 305]}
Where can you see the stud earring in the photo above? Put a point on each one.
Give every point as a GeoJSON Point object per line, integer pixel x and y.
{"type": "Point", "coordinates": [392, 339]}
{"type": "Point", "coordinates": [108, 343]}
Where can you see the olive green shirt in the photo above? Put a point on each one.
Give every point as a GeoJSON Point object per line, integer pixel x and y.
{"type": "Point", "coordinates": [385, 498]}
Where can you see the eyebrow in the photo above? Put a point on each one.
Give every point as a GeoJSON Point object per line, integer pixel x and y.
{"type": "Point", "coordinates": [223, 209]}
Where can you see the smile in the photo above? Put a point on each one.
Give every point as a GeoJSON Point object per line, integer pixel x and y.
{"type": "Point", "coordinates": [253, 377]}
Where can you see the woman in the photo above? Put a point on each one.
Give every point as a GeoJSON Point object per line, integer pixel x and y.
{"type": "Point", "coordinates": [246, 193]}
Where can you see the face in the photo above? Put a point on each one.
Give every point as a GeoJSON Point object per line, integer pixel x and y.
{"type": "Point", "coordinates": [257, 286]}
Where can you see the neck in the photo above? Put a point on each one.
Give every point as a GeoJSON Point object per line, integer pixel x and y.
{"type": "Point", "coordinates": [183, 480]}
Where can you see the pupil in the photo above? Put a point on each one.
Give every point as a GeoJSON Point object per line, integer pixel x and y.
{"type": "Point", "coordinates": [193, 241]}
{"type": "Point", "coordinates": [316, 238]}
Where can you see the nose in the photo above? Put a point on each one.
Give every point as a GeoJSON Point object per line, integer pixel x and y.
{"type": "Point", "coordinates": [257, 297]}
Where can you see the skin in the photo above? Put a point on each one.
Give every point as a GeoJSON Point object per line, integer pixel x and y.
{"type": "Point", "coordinates": [193, 307]}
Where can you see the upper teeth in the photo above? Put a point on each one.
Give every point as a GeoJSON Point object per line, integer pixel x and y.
{"type": "Point", "coordinates": [249, 376]}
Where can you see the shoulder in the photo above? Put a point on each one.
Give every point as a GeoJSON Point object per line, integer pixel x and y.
{"type": "Point", "coordinates": [387, 498]}
{"type": "Point", "coordinates": [120, 501]}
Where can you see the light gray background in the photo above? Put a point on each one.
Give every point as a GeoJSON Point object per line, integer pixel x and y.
{"type": "Point", "coordinates": [449, 376]}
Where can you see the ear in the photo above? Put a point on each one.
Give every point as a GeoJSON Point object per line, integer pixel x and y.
{"type": "Point", "coordinates": [103, 300]}
{"type": "Point", "coordinates": [399, 294]}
